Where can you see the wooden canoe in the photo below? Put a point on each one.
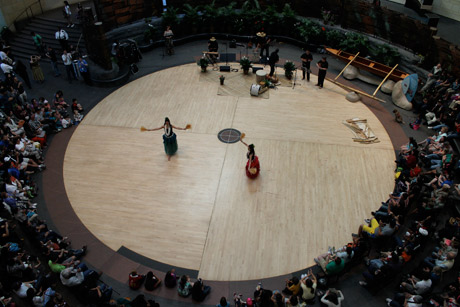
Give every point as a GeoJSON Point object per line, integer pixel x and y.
{"type": "Point", "coordinates": [368, 65]}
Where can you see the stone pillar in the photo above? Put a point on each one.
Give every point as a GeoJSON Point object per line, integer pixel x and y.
{"type": "Point", "coordinates": [96, 44]}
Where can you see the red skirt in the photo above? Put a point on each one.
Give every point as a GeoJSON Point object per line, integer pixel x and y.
{"type": "Point", "coordinates": [253, 164]}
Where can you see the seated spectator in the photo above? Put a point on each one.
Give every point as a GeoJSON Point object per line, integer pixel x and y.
{"type": "Point", "coordinates": [332, 298]}
{"type": "Point", "coordinates": [292, 286]}
{"type": "Point", "coordinates": [200, 291]}
{"type": "Point", "coordinates": [405, 299]}
{"type": "Point", "coordinates": [416, 285]}
{"type": "Point", "coordinates": [223, 302]}
{"type": "Point", "coordinates": [308, 285]}
{"type": "Point", "coordinates": [135, 280]}
{"type": "Point", "coordinates": [21, 288]}
{"type": "Point", "coordinates": [151, 281]}
{"type": "Point", "coordinates": [76, 275]}
{"type": "Point", "coordinates": [185, 286]}
{"type": "Point", "coordinates": [330, 264]}
{"type": "Point", "coordinates": [444, 263]}
{"type": "Point", "coordinates": [99, 295]}
{"type": "Point", "coordinates": [378, 228]}
{"type": "Point", "coordinates": [171, 279]}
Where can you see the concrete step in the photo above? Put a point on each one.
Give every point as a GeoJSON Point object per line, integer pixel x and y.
{"type": "Point", "coordinates": [27, 39]}
{"type": "Point", "coordinates": [50, 29]}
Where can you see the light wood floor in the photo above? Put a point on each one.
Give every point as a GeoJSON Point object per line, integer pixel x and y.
{"type": "Point", "coordinates": [199, 210]}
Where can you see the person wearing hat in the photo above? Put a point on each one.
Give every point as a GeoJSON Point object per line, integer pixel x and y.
{"type": "Point", "coordinates": [263, 42]}
{"type": "Point", "coordinates": [213, 46]}
{"type": "Point", "coordinates": [322, 65]}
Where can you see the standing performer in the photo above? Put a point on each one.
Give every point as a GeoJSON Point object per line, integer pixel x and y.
{"type": "Point", "coordinates": [322, 66]}
{"type": "Point", "coordinates": [213, 46]}
{"type": "Point", "coordinates": [306, 58]}
{"type": "Point", "coordinates": [169, 137]}
{"type": "Point", "coordinates": [252, 166]}
{"type": "Point", "coordinates": [274, 58]}
{"type": "Point", "coordinates": [263, 42]}
{"type": "Point", "coordinates": [168, 35]}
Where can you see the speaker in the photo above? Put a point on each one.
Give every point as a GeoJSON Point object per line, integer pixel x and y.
{"type": "Point", "coordinates": [224, 68]}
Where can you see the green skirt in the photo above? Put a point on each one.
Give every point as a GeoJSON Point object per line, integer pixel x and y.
{"type": "Point", "coordinates": [170, 144]}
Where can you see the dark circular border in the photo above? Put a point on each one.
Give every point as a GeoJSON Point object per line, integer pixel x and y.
{"type": "Point", "coordinates": [229, 136]}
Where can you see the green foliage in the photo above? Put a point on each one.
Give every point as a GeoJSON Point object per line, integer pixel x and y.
{"type": "Point", "coordinates": [288, 12]}
{"type": "Point", "coordinates": [385, 54]}
{"type": "Point", "coordinates": [192, 16]}
{"type": "Point", "coordinates": [245, 63]}
{"type": "Point", "coordinates": [270, 18]}
{"type": "Point", "coordinates": [354, 43]}
{"type": "Point", "coordinates": [170, 17]}
{"type": "Point", "coordinates": [310, 31]}
{"type": "Point", "coordinates": [210, 13]}
{"type": "Point", "coordinates": [250, 5]}
{"type": "Point", "coordinates": [289, 68]}
{"type": "Point", "coordinates": [203, 62]}
{"type": "Point", "coordinates": [228, 16]}
{"type": "Point", "coordinates": [150, 33]}
{"type": "Point", "coordinates": [334, 38]}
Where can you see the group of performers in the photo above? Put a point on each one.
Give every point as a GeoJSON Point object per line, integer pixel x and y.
{"type": "Point", "coordinates": [252, 167]}
{"type": "Point", "coordinates": [263, 44]}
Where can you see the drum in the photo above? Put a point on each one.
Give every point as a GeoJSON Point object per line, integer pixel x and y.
{"type": "Point", "coordinates": [260, 76]}
{"type": "Point", "coordinates": [255, 88]}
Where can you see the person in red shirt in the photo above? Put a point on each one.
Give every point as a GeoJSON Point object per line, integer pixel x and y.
{"type": "Point", "coordinates": [252, 166]}
{"type": "Point", "coordinates": [135, 280]}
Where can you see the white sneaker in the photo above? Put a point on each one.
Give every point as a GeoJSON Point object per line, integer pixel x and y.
{"type": "Point", "coordinates": [389, 300]}
{"type": "Point", "coordinates": [73, 25]}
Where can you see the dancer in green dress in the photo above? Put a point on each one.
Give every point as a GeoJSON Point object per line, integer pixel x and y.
{"type": "Point", "coordinates": [169, 137]}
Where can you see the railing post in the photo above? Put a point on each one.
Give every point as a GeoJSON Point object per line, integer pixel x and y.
{"type": "Point", "coordinates": [40, 3]}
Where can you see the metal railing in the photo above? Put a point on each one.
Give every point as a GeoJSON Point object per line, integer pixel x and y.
{"type": "Point", "coordinates": [28, 11]}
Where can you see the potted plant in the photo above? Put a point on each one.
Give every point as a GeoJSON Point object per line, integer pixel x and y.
{"type": "Point", "coordinates": [221, 78]}
{"type": "Point", "coordinates": [203, 63]}
{"type": "Point", "coordinates": [246, 64]}
{"type": "Point", "coordinates": [289, 69]}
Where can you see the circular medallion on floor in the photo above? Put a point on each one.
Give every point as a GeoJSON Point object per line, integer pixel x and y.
{"type": "Point", "coordinates": [229, 136]}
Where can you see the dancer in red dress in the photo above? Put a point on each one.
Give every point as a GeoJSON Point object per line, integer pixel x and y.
{"type": "Point", "coordinates": [252, 166]}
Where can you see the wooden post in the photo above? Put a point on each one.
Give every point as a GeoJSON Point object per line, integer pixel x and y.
{"type": "Point", "coordinates": [355, 90]}
{"type": "Point", "coordinates": [346, 66]}
{"type": "Point", "coordinates": [381, 83]}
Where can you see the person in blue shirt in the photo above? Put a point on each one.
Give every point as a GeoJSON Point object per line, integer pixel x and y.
{"type": "Point", "coordinates": [84, 71]}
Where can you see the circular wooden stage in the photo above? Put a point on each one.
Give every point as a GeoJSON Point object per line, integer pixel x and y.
{"type": "Point", "coordinates": [199, 210]}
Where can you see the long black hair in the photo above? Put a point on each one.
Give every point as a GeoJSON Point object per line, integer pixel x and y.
{"type": "Point", "coordinates": [170, 126]}
{"type": "Point", "coordinates": [333, 298]}
{"type": "Point", "coordinates": [309, 285]}
{"type": "Point", "coordinates": [251, 152]}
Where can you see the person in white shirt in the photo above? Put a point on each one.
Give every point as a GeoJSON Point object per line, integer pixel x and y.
{"type": "Point", "coordinates": [7, 69]}
{"type": "Point", "coordinates": [5, 58]}
{"type": "Point", "coordinates": [62, 36]}
{"type": "Point", "coordinates": [418, 286]}
{"type": "Point", "coordinates": [68, 14]}
{"type": "Point", "coordinates": [67, 59]}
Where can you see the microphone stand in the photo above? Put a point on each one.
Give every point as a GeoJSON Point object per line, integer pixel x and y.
{"type": "Point", "coordinates": [295, 78]}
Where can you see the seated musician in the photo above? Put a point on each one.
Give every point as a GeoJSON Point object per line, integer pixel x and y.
{"type": "Point", "coordinates": [213, 46]}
